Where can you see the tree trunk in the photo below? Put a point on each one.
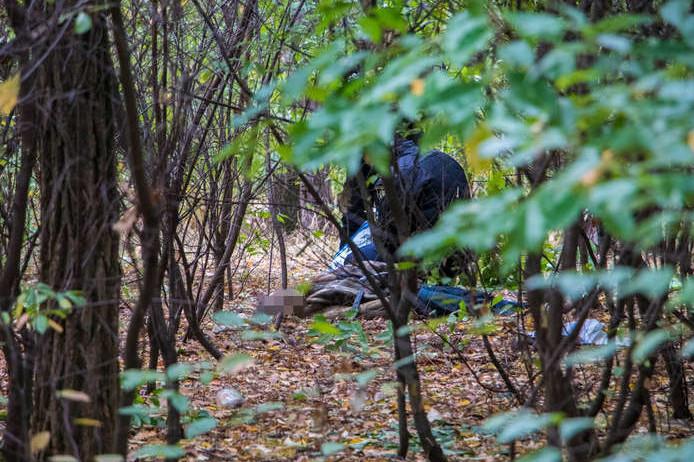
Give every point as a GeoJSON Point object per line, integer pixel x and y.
{"type": "Point", "coordinates": [679, 399]}
{"type": "Point", "coordinates": [79, 249]}
{"type": "Point", "coordinates": [405, 282]}
{"type": "Point", "coordinates": [286, 196]}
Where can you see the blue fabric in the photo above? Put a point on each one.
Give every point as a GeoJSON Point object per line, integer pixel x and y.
{"type": "Point", "coordinates": [362, 239]}
{"type": "Point", "coordinates": [443, 300]}
{"type": "Point", "coordinates": [368, 252]}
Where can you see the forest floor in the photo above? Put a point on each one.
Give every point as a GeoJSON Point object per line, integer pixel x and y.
{"type": "Point", "coordinates": [304, 402]}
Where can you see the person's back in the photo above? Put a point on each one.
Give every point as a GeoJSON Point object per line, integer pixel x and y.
{"type": "Point", "coordinates": [428, 183]}
{"type": "Point", "coordinates": [440, 181]}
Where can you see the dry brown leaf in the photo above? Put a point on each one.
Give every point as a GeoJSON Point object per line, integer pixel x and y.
{"type": "Point", "coordinates": [55, 326]}
{"type": "Point", "coordinates": [87, 422]}
{"type": "Point", "coordinates": [39, 441]}
{"type": "Point", "coordinates": [74, 395]}
{"type": "Point", "coordinates": [9, 93]}
{"type": "Point", "coordinates": [126, 222]}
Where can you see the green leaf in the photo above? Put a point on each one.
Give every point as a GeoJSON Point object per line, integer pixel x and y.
{"type": "Point", "coordinates": [651, 283]}
{"type": "Point", "coordinates": [403, 361]}
{"type": "Point", "coordinates": [537, 25]}
{"type": "Point", "coordinates": [511, 426]}
{"type": "Point", "coordinates": [371, 28]}
{"type": "Point", "coordinates": [200, 426]}
{"type": "Point", "coordinates": [261, 319]}
{"type": "Point", "coordinates": [573, 426]}
{"type": "Point", "coordinates": [589, 355]}
{"type": "Point", "coordinates": [363, 378]}
{"type": "Point", "coordinates": [133, 378]}
{"type": "Point", "coordinates": [405, 265]}
{"type": "Point", "coordinates": [517, 53]}
{"type": "Point", "coordinates": [649, 344]}
{"type": "Point", "coordinates": [331, 447]}
{"type": "Point", "coordinates": [466, 35]}
{"type": "Point", "coordinates": [83, 23]}
{"type": "Point", "coordinates": [64, 302]}
{"type": "Point", "coordinates": [322, 326]}
{"type": "Point", "coordinates": [206, 377]}
{"type": "Point", "coordinates": [405, 330]}
{"type": "Point", "coordinates": [76, 297]}
{"type": "Point", "coordinates": [177, 400]}
{"type": "Point", "coordinates": [614, 42]}
{"type": "Point", "coordinates": [40, 323]}
{"type": "Point", "coordinates": [616, 23]}
{"type": "Point", "coordinates": [178, 371]}
{"type": "Point", "coordinates": [228, 318]}
{"type": "Point", "coordinates": [678, 13]}
{"type": "Point", "coordinates": [139, 410]}
{"type": "Point", "coordinates": [163, 451]}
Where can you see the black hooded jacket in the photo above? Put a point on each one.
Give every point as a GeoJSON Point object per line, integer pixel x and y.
{"type": "Point", "coordinates": [428, 184]}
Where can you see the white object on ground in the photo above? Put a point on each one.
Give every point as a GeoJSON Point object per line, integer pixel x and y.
{"type": "Point", "coordinates": [229, 398]}
{"type": "Point", "coordinates": [592, 333]}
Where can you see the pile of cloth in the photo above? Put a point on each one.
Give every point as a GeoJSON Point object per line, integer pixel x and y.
{"type": "Point", "coordinates": [345, 287]}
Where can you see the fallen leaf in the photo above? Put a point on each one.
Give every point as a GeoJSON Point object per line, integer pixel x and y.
{"type": "Point", "coordinates": [9, 92]}
{"type": "Point", "coordinates": [87, 422]}
{"type": "Point", "coordinates": [39, 442]}
{"type": "Point", "coordinates": [74, 395]}
{"type": "Point", "coordinates": [417, 87]}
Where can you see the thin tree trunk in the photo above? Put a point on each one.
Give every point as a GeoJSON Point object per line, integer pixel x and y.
{"type": "Point", "coordinates": [150, 217]}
